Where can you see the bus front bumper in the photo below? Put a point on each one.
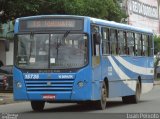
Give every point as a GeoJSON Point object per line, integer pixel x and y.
{"type": "Point", "coordinates": [57, 96]}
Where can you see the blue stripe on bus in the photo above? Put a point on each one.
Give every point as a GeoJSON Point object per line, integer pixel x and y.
{"type": "Point", "coordinates": [139, 61]}
{"type": "Point", "coordinates": [106, 63]}
{"type": "Point", "coordinates": [131, 73]}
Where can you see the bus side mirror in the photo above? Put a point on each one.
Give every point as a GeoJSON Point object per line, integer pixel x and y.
{"type": "Point", "coordinates": [97, 38]}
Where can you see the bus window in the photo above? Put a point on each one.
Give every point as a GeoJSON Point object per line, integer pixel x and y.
{"type": "Point", "coordinates": [138, 44]}
{"type": "Point", "coordinates": [72, 52]}
{"type": "Point", "coordinates": [150, 44]}
{"type": "Point", "coordinates": [145, 45]}
{"type": "Point", "coordinates": [130, 39]}
{"type": "Point", "coordinates": [34, 50]}
{"type": "Point", "coordinates": [105, 41]}
{"type": "Point", "coordinates": [113, 41]}
{"type": "Point", "coordinates": [95, 41]}
{"type": "Point", "coordinates": [122, 42]}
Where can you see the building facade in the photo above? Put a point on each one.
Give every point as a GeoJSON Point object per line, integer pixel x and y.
{"type": "Point", "coordinates": [143, 13]}
{"type": "Point", "coordinates": [6, 43]}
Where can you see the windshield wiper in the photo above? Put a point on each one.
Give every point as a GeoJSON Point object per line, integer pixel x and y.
{"type": "Point", "coordinates": [60, 43]}
{"type": "Point", "coordinates": [63, 38]}
{"type": "Point", "coordinates": [65, 34]}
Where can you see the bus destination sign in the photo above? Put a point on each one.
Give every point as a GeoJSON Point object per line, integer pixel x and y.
{"type": "Point", "coordinates": [51, 24]}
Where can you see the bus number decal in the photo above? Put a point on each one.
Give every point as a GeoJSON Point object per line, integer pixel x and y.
{"type": "Point", "coordinates": [31, 76]}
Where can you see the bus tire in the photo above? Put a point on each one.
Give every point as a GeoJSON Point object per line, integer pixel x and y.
{"type": "Point", "coordinates": [37, 105]}
{"type": "Point", "coordinates": [101, 104]}
{"type": "Point", "coordinates": [133, 98]}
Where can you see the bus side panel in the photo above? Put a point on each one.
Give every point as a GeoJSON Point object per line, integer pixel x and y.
{"type": "Point", "coordinates": [82, 93]}
{"type": "Point", "coordinates": [109, 73]}
{"type": "Point", "coordinates": [128, 77]}
{"type": "Point", "coordinates": [96, 83]}
{"type": "Point", "coordinates": [136, 68]}
{"type": "Point", "coordinates": [123, 72]}
{"type": "Point", "coordinates": [147, 84]}
{"type": "Point", "coordinates": [19, 93]}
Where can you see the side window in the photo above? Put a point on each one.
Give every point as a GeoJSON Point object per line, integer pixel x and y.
{"type": "Point", "coordinates": [113, 41]}
{"type": "Point", "coordinates": [138, 44]}
{"type": "Point", "coordinates": [122, 43]}
{"type": "Point", "coordinates": [145, 45]}
{"type": "Point", "coordinates": [105, 41]}
{"type": "Point", "coordinates": [130, 41]}
{"type": "Point", "coordinates": [95, 40]}
{"type": "Point", "coordinates": [150, 44]}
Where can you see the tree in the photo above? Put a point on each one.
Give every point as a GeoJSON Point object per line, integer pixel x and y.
{"type": "Point", "coordinates": [156, 44]}
{"type": "Point", "coordinates": [157, 53]}
{"type": "Point", "coordinates": [105, 9]}
{"type": "Point", "coordinates": [18, 8]}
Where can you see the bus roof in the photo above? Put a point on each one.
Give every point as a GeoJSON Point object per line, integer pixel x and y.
{"type": "Point", "coordinates": [120, 25]}
{"type": "Point", "coordinates": [43, 16]}
{"type": "Point", "coordinates": [97, 21]}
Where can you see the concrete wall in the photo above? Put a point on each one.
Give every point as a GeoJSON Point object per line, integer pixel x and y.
{"type": "Point", "coordinates": [9, 55]}
{"type": "Point", "coordinates": [6, 56]}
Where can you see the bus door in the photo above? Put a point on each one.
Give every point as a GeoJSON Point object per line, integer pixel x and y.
{"type": "Point", "coordinates": [96, 67]}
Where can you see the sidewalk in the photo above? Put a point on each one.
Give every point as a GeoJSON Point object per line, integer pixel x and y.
{"type": "Point", "coordinates": [6, 98]}
{"type": "Point", "coordinates": [157, 82]}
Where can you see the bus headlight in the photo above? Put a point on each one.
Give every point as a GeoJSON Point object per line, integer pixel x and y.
{"type": "Point", "coordinates": [80, 84]}
{"type": "Point", "coordinates": [19, 85]}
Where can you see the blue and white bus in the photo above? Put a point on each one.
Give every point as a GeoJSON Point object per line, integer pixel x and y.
{"type": "Point", "coordinates": [64, 58]}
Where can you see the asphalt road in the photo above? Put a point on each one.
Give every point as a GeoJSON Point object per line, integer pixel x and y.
{"type": "Point", "coordinates": [150, 103]}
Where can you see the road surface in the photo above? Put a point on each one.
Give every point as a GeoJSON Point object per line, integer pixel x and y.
{"type": "Point", "coordinates": [150, 103]}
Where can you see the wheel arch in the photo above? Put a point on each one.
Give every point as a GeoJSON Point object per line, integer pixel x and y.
{"type": "Point", "coordinates": [139, 79]}
{"type": "Point", "coordinates": [107, 85]}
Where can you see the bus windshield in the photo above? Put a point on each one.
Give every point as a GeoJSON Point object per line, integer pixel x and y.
{"type": "Point", "coordinates": [55, 51]}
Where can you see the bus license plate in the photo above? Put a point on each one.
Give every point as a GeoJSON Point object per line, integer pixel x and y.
{"type": "Point", "coordinates": [49, 97]}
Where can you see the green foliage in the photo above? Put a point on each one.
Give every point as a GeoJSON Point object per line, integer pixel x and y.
{"type": "Point", "coordinates": [105, 9]}
{"type": "Point", "coordinates": [156, 44]}
{"type": "Point", "coordinates": [17, 8]}
{"type": "Point", "coordinates": [156, 52]}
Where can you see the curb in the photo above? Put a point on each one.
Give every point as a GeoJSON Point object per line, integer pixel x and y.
{"type": "Point", "coordinates": [156, 82]}
{"type": "Point", "coordinates": [6, 98]}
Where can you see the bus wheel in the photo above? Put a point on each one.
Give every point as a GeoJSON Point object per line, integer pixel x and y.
{"type": "Point", "coordinates": [133, 98]}
{"type": "Point", "coordinates": [37, 105]}
{"type": "Point", "coordinates": [101, 104]}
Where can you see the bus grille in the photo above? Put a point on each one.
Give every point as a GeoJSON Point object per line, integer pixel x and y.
{"type": "Point", "coordinates": [49, 85]}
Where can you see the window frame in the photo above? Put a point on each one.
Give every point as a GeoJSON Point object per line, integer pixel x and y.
{"type": "Point", "coordinates": [106, 42]}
